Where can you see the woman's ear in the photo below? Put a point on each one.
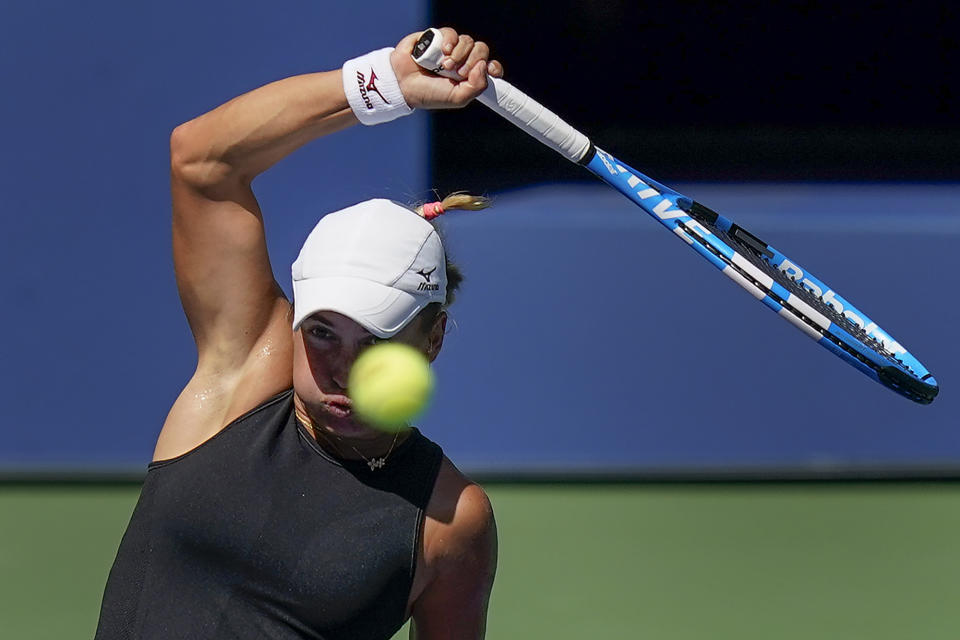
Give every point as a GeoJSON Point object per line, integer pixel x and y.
{"type": "Point", "coordinates": [435, 336]}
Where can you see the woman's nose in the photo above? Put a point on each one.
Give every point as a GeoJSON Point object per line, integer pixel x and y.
{"type": "Point", "coordinates": [341, 367]}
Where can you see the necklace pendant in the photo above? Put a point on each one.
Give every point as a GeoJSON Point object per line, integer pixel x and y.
{"type": "Point", "coordinates": [376, 463]}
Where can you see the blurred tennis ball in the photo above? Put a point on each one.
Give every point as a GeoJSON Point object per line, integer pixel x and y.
{"type": "Point", "coordinates": [390, 384]}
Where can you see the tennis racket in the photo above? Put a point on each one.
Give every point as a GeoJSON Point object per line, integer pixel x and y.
{"type": "Point", "coordinates": [779, 282]}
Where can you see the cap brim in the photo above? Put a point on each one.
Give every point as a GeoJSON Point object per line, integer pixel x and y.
{"type": "Point", "coordinates": [381, 310]}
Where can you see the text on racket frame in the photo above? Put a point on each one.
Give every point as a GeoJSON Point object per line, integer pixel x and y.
{"type": "Point", "coordinates": [666, 210]}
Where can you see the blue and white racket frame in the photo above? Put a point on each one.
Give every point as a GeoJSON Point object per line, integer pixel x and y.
{"type": "Point", "coordinates": [779, 282]}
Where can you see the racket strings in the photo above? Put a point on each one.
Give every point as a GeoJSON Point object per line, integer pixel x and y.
{"type": "Point", "coordinates": [757, 258]}
{"type": "Point", "coordinates": [843, 333]}
{"type": "Point", "coordinates": [795, 287]}
{"type": "Point", "coordinates": [898, 376]}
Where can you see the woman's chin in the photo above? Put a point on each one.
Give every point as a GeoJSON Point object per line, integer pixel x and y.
{"type": "Point", "coordinates": [345, 426]}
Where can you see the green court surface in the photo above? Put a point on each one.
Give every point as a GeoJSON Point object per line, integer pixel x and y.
{"type": "Point", "coordinates": [670, 562]}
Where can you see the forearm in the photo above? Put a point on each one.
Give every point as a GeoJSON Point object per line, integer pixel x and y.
{"type": "Point", "coordinates": [247, 135]}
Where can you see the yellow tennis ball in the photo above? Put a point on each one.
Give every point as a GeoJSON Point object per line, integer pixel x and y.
{"type": "Point", "coordinates": [390, 384]}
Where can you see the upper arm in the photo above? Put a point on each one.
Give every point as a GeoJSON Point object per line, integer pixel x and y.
{"type": "Point", "coordinates": [223, 272]}
{"type": "Point", "coordinates": [463, 559]}
{"type": "Point", "coordinates": [239, 315]}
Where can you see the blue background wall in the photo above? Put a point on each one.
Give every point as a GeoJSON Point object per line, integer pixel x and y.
{"type": "Point", "coordinates": [586, 337]}
{"type": "Point", "coordinates": [96, 346]}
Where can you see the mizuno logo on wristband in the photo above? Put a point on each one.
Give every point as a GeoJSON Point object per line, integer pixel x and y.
{"type": "Point", "coordinates": [367, 87]}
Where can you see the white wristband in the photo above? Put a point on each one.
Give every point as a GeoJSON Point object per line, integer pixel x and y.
{"type": "Point", "coordinates": [372, 88]}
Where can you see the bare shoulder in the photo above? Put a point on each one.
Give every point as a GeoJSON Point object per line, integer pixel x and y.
{"type": "Point", "coordinates": [219, 393]}
{"type": "Point", "coordinates": [459, 511]}
{"type": "Point", "coordinates": [458, 560]}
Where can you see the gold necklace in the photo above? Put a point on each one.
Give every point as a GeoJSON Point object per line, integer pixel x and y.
{"type": "Point", "coordinates": [373, 463]}
{"type": "Point", "coordinates": [377, 463]}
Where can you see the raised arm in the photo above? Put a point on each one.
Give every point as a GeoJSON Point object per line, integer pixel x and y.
{"type": "Point", "coordinates": [224, 277]}
{"type": "Point", "coordinates": [237, 312]}
{"type": "Point", "coordinates": [219, 249]}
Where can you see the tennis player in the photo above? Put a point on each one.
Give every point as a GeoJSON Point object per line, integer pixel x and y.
{"type": "Point", "coordinates": [269, 510]}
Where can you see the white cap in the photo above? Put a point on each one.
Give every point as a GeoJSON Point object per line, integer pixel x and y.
{"type": "Point", "coordinates": [377, 262]}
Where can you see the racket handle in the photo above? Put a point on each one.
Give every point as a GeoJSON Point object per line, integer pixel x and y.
{"type": "Point", "coordinates": [511, 103]}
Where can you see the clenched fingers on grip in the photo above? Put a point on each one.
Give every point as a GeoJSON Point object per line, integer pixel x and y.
{"type": "Point", "coordinates": [475, 82]}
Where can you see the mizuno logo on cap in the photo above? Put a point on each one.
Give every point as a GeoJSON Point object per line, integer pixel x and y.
{"type": "Point", "coordinates": [426, 285]}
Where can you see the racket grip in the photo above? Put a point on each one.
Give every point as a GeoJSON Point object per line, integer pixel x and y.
{"type": "Point", "coordinates": [510, 103]}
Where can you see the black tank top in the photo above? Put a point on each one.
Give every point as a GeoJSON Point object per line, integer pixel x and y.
{"type": "Point", "coordinates": [258, 533]}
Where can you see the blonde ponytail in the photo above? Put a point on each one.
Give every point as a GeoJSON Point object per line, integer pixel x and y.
{"type": "Point", "coordinates": [456, 200]}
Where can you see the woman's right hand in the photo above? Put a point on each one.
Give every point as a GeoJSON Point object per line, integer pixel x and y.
{"type": "Point", "coordinates": [424, 90]}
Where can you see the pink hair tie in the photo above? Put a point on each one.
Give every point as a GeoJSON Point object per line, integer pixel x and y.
{"type": "Point", "coordinates": [433, 209]}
